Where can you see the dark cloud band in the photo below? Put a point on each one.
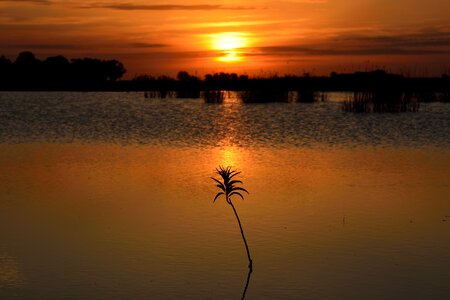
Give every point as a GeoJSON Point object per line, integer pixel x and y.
{"type": "Point", "coordinates": [28, 1]}
{"type": "Point", "coordinates": [129, 6]}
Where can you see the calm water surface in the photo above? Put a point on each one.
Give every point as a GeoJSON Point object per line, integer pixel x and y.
{"type": "Point", "coordinates": [108, 196]}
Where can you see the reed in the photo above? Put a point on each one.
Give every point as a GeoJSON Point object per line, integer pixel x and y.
{"type": "Point", "coordinates": [311, 96]}
{"type": "Point", "coordinates": [263, 96]}
{"type": "Point", "coordinates": [188, 94]}
{"type": "Point", "coordinates": [381, 101]}
{"type": "Point", "coordinates": [426, 96]}
{"type": "Point", "coordinates": [160, 94]}
{"type": "Point", "coordinates": [444, 97]}
{"type": "Point", "coordinates": [213, 96]}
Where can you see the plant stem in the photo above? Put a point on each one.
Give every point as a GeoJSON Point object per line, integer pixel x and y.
{"type": "Point", "coordinates": [243, 236]}
{"type": "Point", "coordinates": [246, 284]}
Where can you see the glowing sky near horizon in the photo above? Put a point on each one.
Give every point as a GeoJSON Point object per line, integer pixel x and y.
{"type": "Point", "coordinates": [317, 36]}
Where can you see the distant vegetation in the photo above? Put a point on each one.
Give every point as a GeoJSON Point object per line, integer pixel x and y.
{"type": "Point", "coordinates": [376, 91]}
{"type": "Point", "coordinates": [373, 91]}
{"type": "Point", "coordinates": [57, 73]}
{"type": "Point", "coordinates": [380, 101]}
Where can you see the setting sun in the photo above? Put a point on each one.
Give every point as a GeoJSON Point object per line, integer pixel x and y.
{"type": "Point", "coordinates": [229, 41]}
{"type": "Point", "coordinates": [230, 45]}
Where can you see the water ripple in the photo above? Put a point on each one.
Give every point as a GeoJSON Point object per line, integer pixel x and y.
{"type": "Point", "coordinates": [128, 118]}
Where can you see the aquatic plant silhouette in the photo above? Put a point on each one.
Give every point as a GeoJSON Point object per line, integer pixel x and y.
{"type": "Point", "coordinates": [229, 188]}
{"type": "Point", "coordinates": [249, 275]}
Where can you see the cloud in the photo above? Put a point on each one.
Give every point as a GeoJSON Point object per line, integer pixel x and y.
{"type": "Point", "coordinates": [326, 51]}
{"type": "Point", "coordinates": [47, 2]}
{"type": "Point", "coordinates": [147, 45]}
{"type": "Point", "coordinates": [427, 42]}
{"type": "Point", "coordinates": [48, 46]}
{"type": "Point", "coordinates": [131, 6]}
{"type": "Point", "coordinates": [423, 39]}
{"type": "Point", "coordinates": [56, 46]}
{"type": "Point", "coordinates": [160, 7]}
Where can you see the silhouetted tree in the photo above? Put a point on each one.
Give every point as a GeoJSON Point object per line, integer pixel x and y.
{"type": "Point", "coordinates": [5, 69]}
{"type": "Point", "coordinates": [88, 70]}
{"type": "Point", "coordinates": [91, 70]}
{"type": "Point", "coordinates": [4, 62]}
{"type": "Point", "coordinates": [115, 69]}
{"type": "Point", "coordinates": [188, 85]}
{"type": "Point", "coordinates": [183, 76]}
{"type": "Point", "coordinates": [26, 68]}
{"type": "Point", "coordinates": [186, 78]}
{"type": "Point", "coordinates": [26, 58]}
{"type": "Point", "coordinates": [56, 70]}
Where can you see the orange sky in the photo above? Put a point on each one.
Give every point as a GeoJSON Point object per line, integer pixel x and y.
{"type": "Point", "coordinates": [255, 37]}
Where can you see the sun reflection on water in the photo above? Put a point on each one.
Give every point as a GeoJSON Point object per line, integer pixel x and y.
{"type": "Point", "coordinates": [229, 156]}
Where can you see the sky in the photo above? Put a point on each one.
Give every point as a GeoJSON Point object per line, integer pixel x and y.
{"type": "Point", "coordinates": [253, 37]}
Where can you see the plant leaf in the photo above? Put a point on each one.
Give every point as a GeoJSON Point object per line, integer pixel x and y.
{"type": "Point", "coordinates": [234, 181]}
{"type": "Point", "coordinates": [221, 187]}
{"type": "Point", "coordinates": [236, 193]}
{"type": "Point", "coordinates": [240, 189]}
{"type": "Point", "coordinates": [220, 184]}
{"type": "Point", "coordinates": [237, 173]}
{"type": "Point", "coordinates": [217, 196]}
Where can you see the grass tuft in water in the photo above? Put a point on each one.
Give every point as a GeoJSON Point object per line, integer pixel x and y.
{"type": "Point", "coordinates": [213, 96]}
{"type": "Point", "coordinates": [380, 101]}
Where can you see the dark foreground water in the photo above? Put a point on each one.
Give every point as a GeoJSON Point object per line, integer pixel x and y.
{"type": "Point", "coordinates": [108, 196]}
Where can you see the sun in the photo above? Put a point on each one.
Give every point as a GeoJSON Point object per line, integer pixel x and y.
{"type": "Point", "coordinates": [229, 41]}
{"type": "Point", "coordinates": [230, 45]}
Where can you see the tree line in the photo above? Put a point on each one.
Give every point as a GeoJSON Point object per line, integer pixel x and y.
{"type": "Point", "coordinates": [27, 72]}
{"type": "Point", "coordinates": [57, 72]}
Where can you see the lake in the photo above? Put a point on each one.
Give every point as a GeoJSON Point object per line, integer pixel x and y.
{"type": "Point", "coordinates": [109, 196]}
